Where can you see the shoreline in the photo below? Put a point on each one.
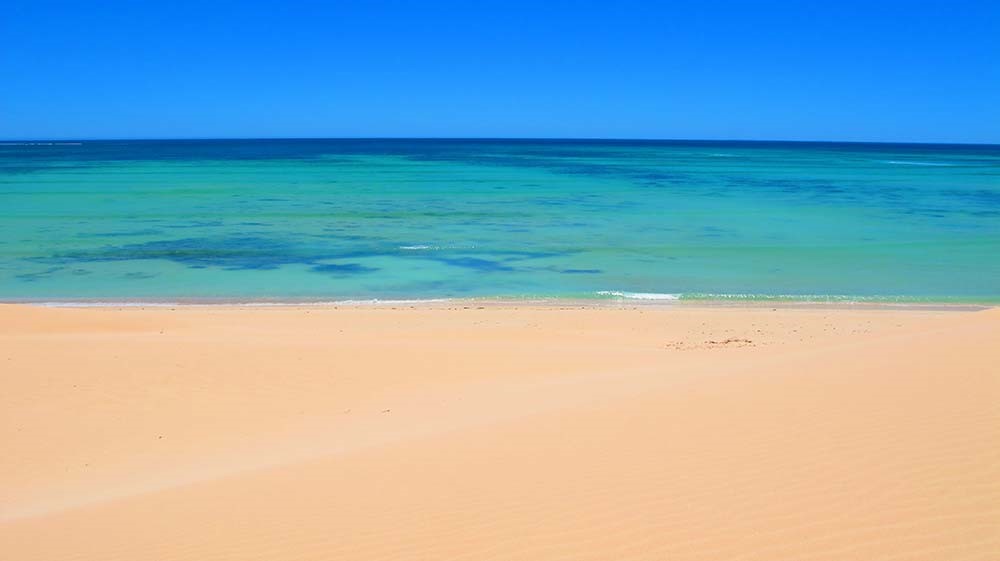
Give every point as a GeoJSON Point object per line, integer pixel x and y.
{"type": "Point", "coordinates": [504, 302]}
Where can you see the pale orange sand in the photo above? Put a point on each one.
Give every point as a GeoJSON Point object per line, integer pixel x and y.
{"type": "Point", "coordinates": [503, 433]}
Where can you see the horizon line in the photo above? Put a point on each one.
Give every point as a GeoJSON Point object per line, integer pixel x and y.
{"type": "Point", "coordinates": [482, 138]}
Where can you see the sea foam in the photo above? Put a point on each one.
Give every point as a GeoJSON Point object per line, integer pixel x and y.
{"type": "Point", "coordinates": [639, 295]}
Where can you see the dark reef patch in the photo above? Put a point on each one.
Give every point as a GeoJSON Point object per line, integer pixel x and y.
{"type": "Point", "coordinates": [342, 268]}
{"type": "Point", "coordinates": [335, 254]}
{"type": "Point", "coordinates": [476, 263]}
{"type": "Point", "coordinates": [197, 224]}
{"type": "Point", "coordinates": [121, 234]}
{"type": "Point", "coordinates": [236, 253]}
{"type": "Point", "coordinates": [228, 253]}
{"type": "Point", "coordinates": [38, 275]}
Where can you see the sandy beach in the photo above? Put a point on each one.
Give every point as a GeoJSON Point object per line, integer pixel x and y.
{"type": "Point", "coordinates": [461, 431]}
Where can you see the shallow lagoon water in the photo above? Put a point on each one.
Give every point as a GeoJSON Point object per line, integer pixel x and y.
{"type": "Point", "coordinates": [416, 219]}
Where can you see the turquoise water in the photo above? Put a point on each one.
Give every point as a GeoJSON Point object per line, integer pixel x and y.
{"type": "Point", "coordinates": [401, 219]}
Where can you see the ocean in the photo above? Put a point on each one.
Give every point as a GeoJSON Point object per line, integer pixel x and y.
{"type": "Point", "coordinates": [343, 219]}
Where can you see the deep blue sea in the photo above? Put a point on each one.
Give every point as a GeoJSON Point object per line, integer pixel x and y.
{"type": "Point", "coordinates": [246, 220]}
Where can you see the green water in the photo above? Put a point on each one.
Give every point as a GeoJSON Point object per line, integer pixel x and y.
{"type": "Point", "coordinates": [418, 219]}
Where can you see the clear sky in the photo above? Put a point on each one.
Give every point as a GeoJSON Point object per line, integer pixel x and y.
{"type": "Point", "coordinates": [874, 70]}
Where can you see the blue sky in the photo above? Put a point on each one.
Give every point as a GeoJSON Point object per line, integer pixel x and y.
{"type": "Point", "coordinates": [798, 70]}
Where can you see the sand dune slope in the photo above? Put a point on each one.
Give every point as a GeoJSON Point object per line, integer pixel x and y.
{"type": "Point", "coordinates": [681, 434]}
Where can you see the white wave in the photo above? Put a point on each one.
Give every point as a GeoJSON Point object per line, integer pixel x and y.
{"type": "Point", "coordinates": [639, 295]}
{"type": "Point", "coordinates": [913, 163]}
{"type": "Point", "coordinates": [422, 247]}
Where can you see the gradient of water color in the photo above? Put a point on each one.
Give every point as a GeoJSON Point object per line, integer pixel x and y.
{"type": "Point", "coordinates": [393, 219]}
